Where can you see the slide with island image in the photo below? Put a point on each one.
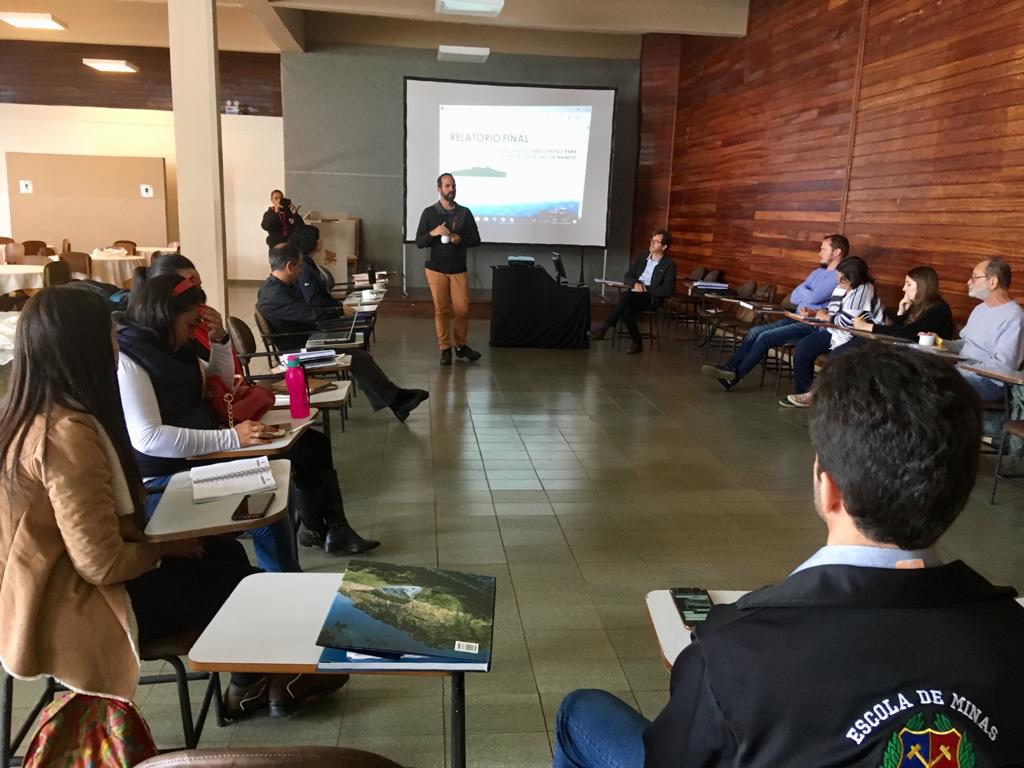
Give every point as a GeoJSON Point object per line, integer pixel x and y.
{"type": "Point", "coordinates": [517, 164]}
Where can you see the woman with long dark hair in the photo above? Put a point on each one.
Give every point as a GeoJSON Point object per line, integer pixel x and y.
{"type": "Point", "coordinates": [80, 587]}
{"type": "Point", "coordinates": [169, 418]}
{"type": "Point", "coordinates": [854, 297]}
{"type": "Point", "coordinates": [921, 310]}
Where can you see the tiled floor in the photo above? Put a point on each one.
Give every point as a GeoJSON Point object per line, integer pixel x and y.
{"type": "Point", "coordinates": [581, 480]}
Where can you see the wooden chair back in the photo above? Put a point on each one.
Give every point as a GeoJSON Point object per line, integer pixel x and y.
{"type": "Point", "coordinates": [127, 245]}
{"type": "Point", "coordinates": [765, 293]}
{"type": "Point", "coordinates": [714, 276]}
{"type": "Point", "coordinates": [56, 273]}
{"type": "Point", "coordinates": [260, 757]}
{"type": "Point", "coordinates": [14, 253]}
{"type": "Point", "coordinates": [6, 240]}
{"type": "Point", "coordinates": [79, 263]}
{"type": "Point", "coordinates": [746, 290]}
{"type": "Point", "coordinates": [65, 245]}
{"type": "Point", "coordinates": [243, 341]}
{"type": "Point", "coordinates": [32, 247]}
{"type": "Point", "coordinates": [697, 274]}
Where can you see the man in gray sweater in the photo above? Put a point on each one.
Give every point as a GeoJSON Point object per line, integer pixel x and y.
{"type": "Point", "coordinates": [994, 334]}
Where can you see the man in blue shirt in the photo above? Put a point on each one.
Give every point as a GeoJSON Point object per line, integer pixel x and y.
{"type": "Point", "coordinates": [651, 279]}
{"type": "Point", "coordinates": [811, 295]}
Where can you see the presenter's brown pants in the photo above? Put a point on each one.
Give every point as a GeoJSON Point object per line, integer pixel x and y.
{"type": "Point", "coordinates": [451, 300]}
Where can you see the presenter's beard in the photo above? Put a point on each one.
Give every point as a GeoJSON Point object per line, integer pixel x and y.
{"type": "Point", "coordinates": [450, 197]}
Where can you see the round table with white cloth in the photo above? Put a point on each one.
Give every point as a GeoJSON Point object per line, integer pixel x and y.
{"type": "Point", "coordinates": [8, 325]}
{"type": "Point", "coordinates": [115, 266]}
{"type": "Point", "coordinates": [19, 277]}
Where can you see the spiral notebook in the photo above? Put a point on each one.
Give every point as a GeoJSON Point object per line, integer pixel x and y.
{"type": "Point", "coordinates": [231, 478]}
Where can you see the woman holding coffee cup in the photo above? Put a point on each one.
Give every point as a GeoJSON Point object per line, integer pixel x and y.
{"type": "Point", "coordinates": [922, 313]}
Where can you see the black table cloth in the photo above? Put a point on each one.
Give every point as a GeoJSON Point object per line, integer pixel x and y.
{"type": "Point", "coordinates": [530, 309]}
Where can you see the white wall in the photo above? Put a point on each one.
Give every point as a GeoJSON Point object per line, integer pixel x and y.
{"type": "Point", "coordinates": [253, 164]}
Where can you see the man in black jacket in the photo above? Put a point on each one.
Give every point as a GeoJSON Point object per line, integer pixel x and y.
{"type": "Point", "coordinates": [282, 306]}
{"type": "Point", "coordinates": [873, 652]}
{"type": "Point", "coordinates": [651, 279]}
{"type": "Point", "coordinates": [448, 229]}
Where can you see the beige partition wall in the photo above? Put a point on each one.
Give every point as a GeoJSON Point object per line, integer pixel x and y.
{"type": "Point", "coordinates": [90, 200]}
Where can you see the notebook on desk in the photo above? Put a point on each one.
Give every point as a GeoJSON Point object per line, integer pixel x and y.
{"type": "Point", "coordinates": [231, 478]}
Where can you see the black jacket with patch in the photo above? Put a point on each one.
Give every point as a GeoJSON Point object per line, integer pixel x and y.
{"type": "Point", "coordinates": [849, 666]}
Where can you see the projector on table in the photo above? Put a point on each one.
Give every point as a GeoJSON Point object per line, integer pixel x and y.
{"type": "Point", "coordinates": [520, 261]}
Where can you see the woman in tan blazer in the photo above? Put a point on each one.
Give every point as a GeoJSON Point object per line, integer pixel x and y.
{"type": "Point", "coordinates": [70, 502]}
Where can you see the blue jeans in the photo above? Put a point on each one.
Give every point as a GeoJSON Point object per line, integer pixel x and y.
{"type": "Point", "coordinates": [274, 543]}
{"type": "Point", "coordinates": [987, 389]}
{"type": "Point", "coordinates": [760, 339]}
{"type": "Point", "coordinates": [596, 730]}
{"type": "Point", "coordinates": [817, 342]}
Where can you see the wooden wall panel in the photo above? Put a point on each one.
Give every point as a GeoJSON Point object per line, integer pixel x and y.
{"type": "Point", "coordinates": [898, 122]}
{"type": "Point", "coordinates": [938, 164]}
{"type": "Point", "coordinates": [53, 73]}
{"type": "Point", "coordinates": [761, 143]}
{"type": "Point", "coordinates": [659, 80]}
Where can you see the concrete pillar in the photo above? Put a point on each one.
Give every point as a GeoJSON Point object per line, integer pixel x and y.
{"type": "Point", "coordinates": [195, 92]}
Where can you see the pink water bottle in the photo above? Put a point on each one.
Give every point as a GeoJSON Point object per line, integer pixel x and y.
{"type": "Point", "coordinates": [298, 393]}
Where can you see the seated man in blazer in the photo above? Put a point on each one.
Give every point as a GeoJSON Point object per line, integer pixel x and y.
{"type": "Point", "coordinates": [652, 279]}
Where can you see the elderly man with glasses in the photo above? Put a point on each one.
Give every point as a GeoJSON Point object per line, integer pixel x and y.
{"type": "Point", "coordinates": [994, 334]}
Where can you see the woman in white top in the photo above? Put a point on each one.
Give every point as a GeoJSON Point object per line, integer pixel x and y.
{"type": "Point", "coordinates": [169, 419]}
{"type": "Point", "coordinates": [854, 297]}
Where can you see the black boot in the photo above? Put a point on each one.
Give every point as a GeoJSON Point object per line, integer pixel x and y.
{"type": "Point", "coordinates": [307, 504]}
{"type": "Point", "coordinates": [341, 538]}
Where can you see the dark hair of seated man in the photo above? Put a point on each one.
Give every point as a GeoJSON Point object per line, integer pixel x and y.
{"type": "Point", "coordinates": [898, 433]}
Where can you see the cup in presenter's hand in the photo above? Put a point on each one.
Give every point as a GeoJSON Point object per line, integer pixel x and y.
{"type": "Point", "coordinates": [445, 239]}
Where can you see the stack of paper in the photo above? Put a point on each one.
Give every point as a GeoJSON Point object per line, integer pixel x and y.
{"type": "Point", "coordinates": [231, 478]}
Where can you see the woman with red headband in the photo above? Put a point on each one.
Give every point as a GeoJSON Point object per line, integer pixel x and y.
{"type": "Point", "coordinates": [169, 418]}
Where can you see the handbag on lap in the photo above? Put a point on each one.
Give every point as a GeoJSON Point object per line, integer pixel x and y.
{"type": "Point", "coordinates": [241, 402]}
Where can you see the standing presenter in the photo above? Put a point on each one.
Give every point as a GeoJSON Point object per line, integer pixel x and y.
{"type": "Point", "coordinates": [448, 229]}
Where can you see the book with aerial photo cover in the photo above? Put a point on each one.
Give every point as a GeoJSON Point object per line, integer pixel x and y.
{"type": "Point", "coordinates": [398, 612]}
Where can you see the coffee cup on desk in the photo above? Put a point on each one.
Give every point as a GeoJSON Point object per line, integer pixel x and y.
{"type": "Point", "coordinates": [445, 239]}
{"type": "Point", "coordinates": [926, 339]}
{"type": "Point", "coordinates": [380, 286]}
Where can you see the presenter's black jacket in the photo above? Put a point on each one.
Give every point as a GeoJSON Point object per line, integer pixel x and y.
{"type": "Point", "coordinates": [280, 224]}
{"type": "Point", "coordinates": [841, 665]}
{"type": "Point", "coordinates": [663, 281]}
{"type": "Point", "coordinates": [284, 308]}
{"type": "Point", "coordinates": [445, 257]}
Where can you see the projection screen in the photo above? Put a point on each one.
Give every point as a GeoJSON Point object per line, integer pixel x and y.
{"type": "Point", "coordinates": [532, 163]}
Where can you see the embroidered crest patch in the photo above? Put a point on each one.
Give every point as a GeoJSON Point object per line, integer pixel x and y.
{"type": "Point", "coordinates": [940, 746]}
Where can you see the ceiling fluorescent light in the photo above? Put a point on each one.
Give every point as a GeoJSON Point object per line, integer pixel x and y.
{"type": "Point", "coordinates": [110, 65]}
{"type": "Point", "coordinates": [469, 7]}
{"type": "Point", "coordinates": [32, 20]}
{"type": "Point", "coordinates": [462, 53]}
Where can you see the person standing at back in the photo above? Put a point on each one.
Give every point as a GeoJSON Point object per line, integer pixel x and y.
{"type": "Point", "coordinates": [448, 229]}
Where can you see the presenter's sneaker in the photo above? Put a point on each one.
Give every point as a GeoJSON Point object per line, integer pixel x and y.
{"type": "Point", "coordinates": [797, 401]}
{"type": "Point", "coordinates": [722, 374]}
{"type": "Point", "coordinates": [289, 692]}
{"type": "Point", "coordinates": [406, 402]}
{"type": "Point", "coordinates": [446, 356]}
{"type": "Point", "coordinates": [634, 349]}
{"type": "Point", "coordinates": [466, 352]}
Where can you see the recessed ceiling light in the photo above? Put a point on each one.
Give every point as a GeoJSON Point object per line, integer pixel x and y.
{"type": "Point", "coordinates": [32, 20]}
{"type": "Point", "coordinates": [110, 65]}
{"type": "Point", "coordinates": [469, 7]}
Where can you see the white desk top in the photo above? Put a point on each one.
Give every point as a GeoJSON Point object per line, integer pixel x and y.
{"type": "Point", "coordinates": [270, 623]}
{"type": "Point", "coordinates": [329, 398]}
{"type": "Point", "coordinates": [271, 418]}
{"type": "Point", "coordinates": [673, 637]}
{"type": "Point", "coordinates": [177, 517]}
